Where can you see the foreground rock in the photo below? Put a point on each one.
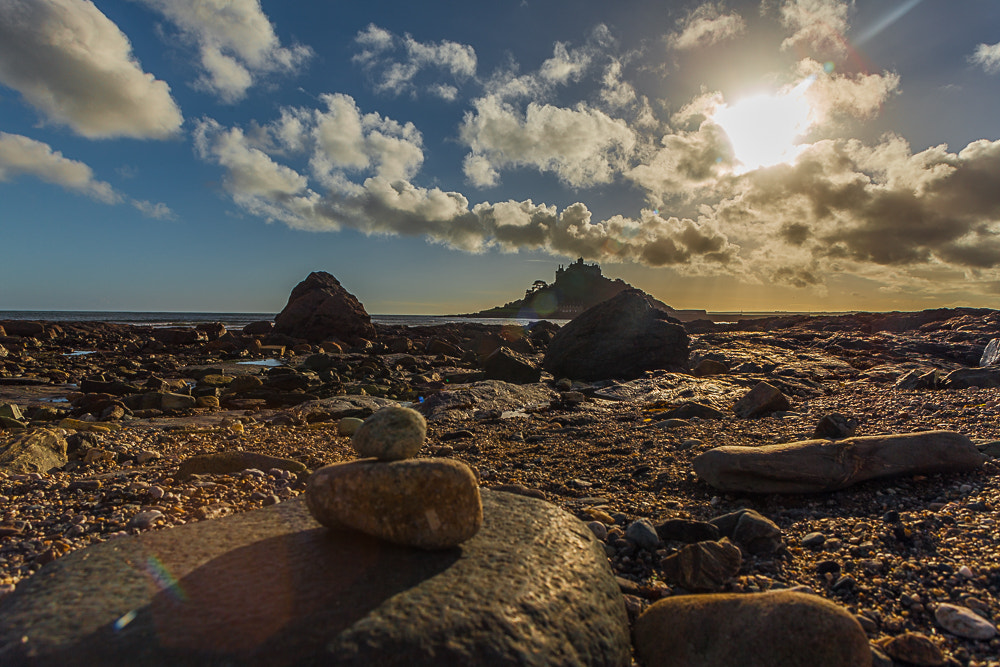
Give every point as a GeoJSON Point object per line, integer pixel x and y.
{"type": "Point", "coordinates": [619, 338]}
{"type": "Point", "coordinates": [811, 466]}
{"type": "Point", "coordinates": [783, 629]}
{"type": "Point", "coordinates": [272, 587]}
{"type": "Point", "coordinates": [319, 308]}
{"type": "Point", "coordinates": [426, 503]}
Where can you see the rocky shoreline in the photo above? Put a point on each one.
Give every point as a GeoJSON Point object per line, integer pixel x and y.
{"type": "Point", "coordinates": [164, 427]}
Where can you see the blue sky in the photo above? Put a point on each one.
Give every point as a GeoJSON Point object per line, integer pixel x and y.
{"type": "Point", "coordinates": [438, 157]}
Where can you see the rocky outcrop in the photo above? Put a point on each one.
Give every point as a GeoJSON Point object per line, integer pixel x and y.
{"type": "Point", "coordinates": [37, 451]}
{"type": "Point", "coordinates": [810, 466]}
{"type": "Point", "coordinates": [620, 338]}
{"type": "Point", "coordinates": [319, 308]}
{"type": "Point", "coordinates": [758, 630]}
{"type": "Point", "coordinates": [273, 587]}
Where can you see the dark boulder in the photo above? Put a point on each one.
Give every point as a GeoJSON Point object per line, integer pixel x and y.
{"type": "Point", "coordinates": [259, 328]}
{"type": "Point", "coordinates": [619, 338]}
{"type": "Point", "coordinates": [509, 366]}
{"type": "Point", "coordinates": [319, 308]}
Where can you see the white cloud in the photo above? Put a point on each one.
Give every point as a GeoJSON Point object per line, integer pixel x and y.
{"type": "Point", "coordinates": [75, 66]}
{"type": "Point", "coordinates": [395, 62]}
{"type": "Point", "coordinates": [582, 146]}
{"type": "Point", "coordinates": [156, 210]}
{"type": "Point", "coordinates": [381, 205]}
{"type": "Point", "coordinates": [235, 39]}
{"type": "Point", "coordinates": [704, 26]}
{"type": "Point", "coordinates": [816, 24]}
{"type": "Point", "coordinates": [859, 95]}
{"type": "Point", "coordinates": [22, 155]}
{"type": "Point", "coordinates": [564, 65]}
{"type": "Point", "coordinates": [987, 56]}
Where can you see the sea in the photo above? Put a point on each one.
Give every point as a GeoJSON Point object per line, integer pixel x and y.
{"type": "Point", "coordinates": [232, 321]}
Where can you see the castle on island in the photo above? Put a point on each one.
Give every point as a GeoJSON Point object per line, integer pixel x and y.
{"type": "Point", "coordinates": [577, 287]}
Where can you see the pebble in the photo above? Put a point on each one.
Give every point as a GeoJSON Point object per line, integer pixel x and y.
{"type": "Point", "coordinates": [144, 520]}
{"type": "Point", "coordinates": [964, 622]}
{"type": "Point", "coordinates": [813, 540]}
{"type": "Point", "coordinates": [913, 648]}
{"type": "Point", "coordinates": [599, 530]}
{"type": "Point", "coordinates": [642, 533]}
{"type": "Point", "coordinates": [349, 425]}
{"type": "Point", "coordinates": [391, 434]}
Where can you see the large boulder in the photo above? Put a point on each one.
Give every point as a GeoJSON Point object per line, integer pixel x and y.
{"type": "Point", "coordinates": [810, 466]}
{"type": "Point", "coordinates": [781, 628]}
{"type": "Point", "coordinates": [319, 308]}
{"type": "Point", "coordinates": [619, 338]}
{"type": "Point", "coordinates": [273, 587]}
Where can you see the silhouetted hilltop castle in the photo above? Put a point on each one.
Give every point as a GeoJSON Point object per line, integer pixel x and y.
{"type": "Point", "coordinates": [577, 287]}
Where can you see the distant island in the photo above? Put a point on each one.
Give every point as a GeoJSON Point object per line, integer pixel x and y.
{"type": "Point", "coordinates": [577, 287]}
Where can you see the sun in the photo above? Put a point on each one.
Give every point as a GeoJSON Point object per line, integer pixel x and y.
{"type": "Point", "coordinates": [766, 129]}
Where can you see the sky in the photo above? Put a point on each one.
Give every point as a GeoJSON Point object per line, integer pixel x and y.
{"type": "Point", "coordinates": [439, 157]}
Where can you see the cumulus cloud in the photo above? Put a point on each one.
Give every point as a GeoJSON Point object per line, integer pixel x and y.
{"type": "Point", "coordinates": [704, 26]}
{"type": "Point", "coordinates": [353, 192]}
{"type": "Point", "coordinates": [832, 95]}
{"type": "Point", "coordinates": [988, 57]}
{"type": "Point", "coordinates": [816, 24]}
{"type": "Point", "coordinates": [74, 65]}
{"type": "Point", "coordinates": [581, 145]}
{"type": "Point", "coordinates": [21, 155]}
{"type": "Point", "coordinates": [235, 39]}
{"type": "Point", "coordinates": [394, 62]}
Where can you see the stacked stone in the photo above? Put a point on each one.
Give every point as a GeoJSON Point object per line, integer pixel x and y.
{"type": "Point", "coordinates": [389, 494]}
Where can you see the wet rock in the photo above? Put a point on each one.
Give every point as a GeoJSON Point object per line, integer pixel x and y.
{"type": "Point", "coordinates": [963, 622]}
{"type": "Point", "coordinates": [272, 587]}
{"type": "Point", "coordinates": [811, 466]}
{"type": "Point", "coordinates": [260, 328]}
{"type": "Point", "coordinates": [222, 463]}
{"type": "Point", "coordinates": [835, 426]}
{"type": "Point", "coordinates": [762, 400]}
{"type": "Point", "coordinates": [426, 503]}
{"type": "Point", "coordinates": [703, 566]}
{"type": "Point", "coordinates": [964, 378]}
{"type": "Point", "coordinates": [707, 367]}
{"type": "Point", "coordinates": [37, 451]}
{"type": "Point", "coordinates": [320, 308]}
{"type": "Point", "coordinates": [691, 409]}
{"type": "Point", "coordinates": [991, 355]}
{"type": "Point", "coordinates": [619, 338]}
{"type": "Point", "coordinates": [391, 434]}
{"type": "Point", "coordinates": [510, 366]}
{"type": "Point", "coordinates": [759, 630]}
{"type": "Point", "coordinates": [486, 395]}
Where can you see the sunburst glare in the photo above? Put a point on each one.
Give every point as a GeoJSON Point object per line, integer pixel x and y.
{"type": "Point", "coordinates": [765, 129]}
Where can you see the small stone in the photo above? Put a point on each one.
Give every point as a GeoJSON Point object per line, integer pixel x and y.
{"type": "Point", "coordinates": [963, 622]}
{"type": "Point", "coordinates": [391, 434]}
{"type": "Point", "coordinates": [349, 425]}
{"type": "Point", "coordinates": [642, 533]}
{"type": "Point", "coordinates": [145, 456]}
{"type": "Point", "coordinates": [687, 530]}
{"type": "Point", "coordinates": [599, 530]}
{"type": "Point", "coordinates": [213, 511]}
{"type": "Point", "coordinates": [426, 503]}
{"type": "Point", "coordinates": [762, 400]}
{"type": "Point", "coordinates": [703, 566]}
{"type": "Point", "coordinates": [144, 520]}
{"type": "Point", "coordinates": [813, 540]}
{"type": "Point", "coordinates": [914, 648]}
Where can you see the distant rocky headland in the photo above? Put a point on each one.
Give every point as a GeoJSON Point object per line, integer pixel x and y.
{"type": "Point", "coordinates": [577, 287]}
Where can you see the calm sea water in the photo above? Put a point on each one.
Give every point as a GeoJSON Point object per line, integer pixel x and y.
{"type": "Point", "coordinates": [231, 320]}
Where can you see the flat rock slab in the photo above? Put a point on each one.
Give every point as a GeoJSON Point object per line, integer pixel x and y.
{"type": "Point", "coordinates": [272, 587]}
{"type": "Point", "coordinates": [811, 466]}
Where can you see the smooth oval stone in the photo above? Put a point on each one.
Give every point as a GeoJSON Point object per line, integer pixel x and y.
{"type": "Point", "coordinates": [349, 425]}
{"type": "Point", "coordinates": [427, 503]}
{"type": "Point", "coordinates": [754, 630]}
{"type": "Point", "coordinates": [964, 622]}
{"type": "Point", "coordinates": [391, 434]}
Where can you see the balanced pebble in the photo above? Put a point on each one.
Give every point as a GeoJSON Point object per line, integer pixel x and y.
{"type": "Point", "coordinates": [391, 434]}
